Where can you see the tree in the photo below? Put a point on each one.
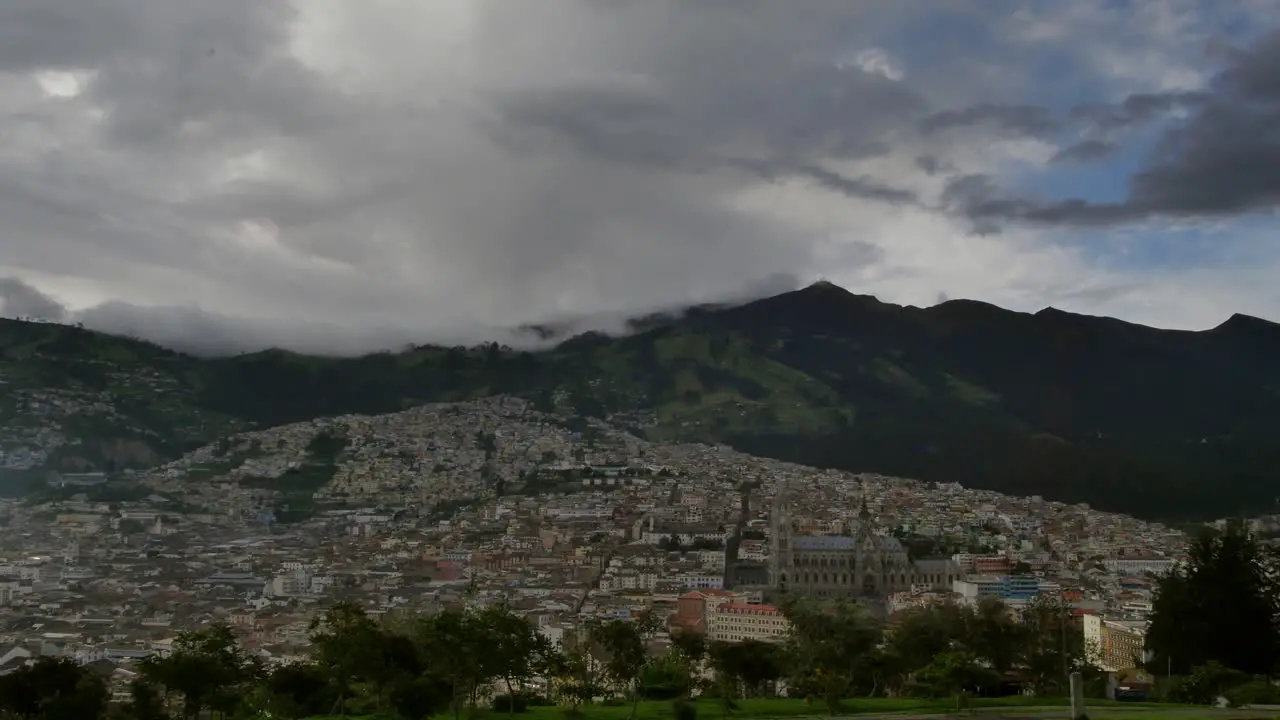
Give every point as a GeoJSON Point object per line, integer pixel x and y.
{"type": "Point", "coordinates": [994, 635]}
{"type": "Point", "coordinates": [827, 646]}
{"type": "Point", "coordinates": [1053, 647]}
{"type": "Point", "coordinates": [348, 646]}
{"type": "Point", "coordinates": [956, 673]}
{"type": "Point", "coordinates": [691, 645]}
{"type": "Point", "coordinates": [53, 689]}
{"type": "Point", "coordinates": [925, 633]}
{"type": "Point", "coordinates": [208, 668]}
{"type": "Point", "coordinates": [750, 664]}
{"type": "Point", "coordinates": [666, 678]}
{"type": "Point", "coordinates": [625, 645]}
{"type": "Point", "coordinates": [145, 702]}
{"type": "Point", "coordinates": [452, 643]}
{"type": "Point", "coordinates": [512, 647]}
{"type": "Point", "coordinates": [576, 673]}
{"type": "Point", "coordinates": [1221, 607]}
{"type": "Point", "coordinates": [298, 690]}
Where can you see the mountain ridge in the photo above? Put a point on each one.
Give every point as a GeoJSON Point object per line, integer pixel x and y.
{"type": "Point", "coordinates": [1150, 421]}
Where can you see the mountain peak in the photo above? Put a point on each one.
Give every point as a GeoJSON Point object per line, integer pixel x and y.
{"type": "Point", "coordinates": [1250, 326]}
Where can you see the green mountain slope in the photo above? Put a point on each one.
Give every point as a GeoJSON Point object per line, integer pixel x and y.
{"type": "Point", "coordinates": [1156, 423]}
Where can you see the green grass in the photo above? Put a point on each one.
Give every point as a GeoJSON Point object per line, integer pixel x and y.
{"type": "Point", "coordinates": [796, 708]}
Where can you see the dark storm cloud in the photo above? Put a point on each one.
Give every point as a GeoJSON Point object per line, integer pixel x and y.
{"type": "Point", "coordinates": [585, 174]}
{"type": "Point", "coordinates": [778, 125]}
{"type": "Point", "coordinates": [343, 176]}
{"type": "Point", "coordinates": [1085, 151]}
{"type": "Point", "coordinates": [1223, 159]}
{"type": "Point", "coordinates": [18, 299]}
{"type": "Point", "coordinates": [1136, 109]}
{"type": "Point", "coordinates": [1021, 119]}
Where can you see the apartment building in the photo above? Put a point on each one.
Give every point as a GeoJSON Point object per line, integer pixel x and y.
{"type": "Point", "coordinates": [1115, 645]}
{"type": "Point", "coordinates": [735, 622]}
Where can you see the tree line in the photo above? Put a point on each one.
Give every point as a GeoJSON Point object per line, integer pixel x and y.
{"type": "Point", "coordinates": [456, 660]}
{"type": "Point", "coordinates": [1215, 630]}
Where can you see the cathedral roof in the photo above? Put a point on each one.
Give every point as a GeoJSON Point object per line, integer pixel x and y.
{"type": "Point", "coordinates": [884, 543]}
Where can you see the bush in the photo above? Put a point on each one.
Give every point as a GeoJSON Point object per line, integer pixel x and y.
{"type": "Point", "coordinates": [515, 702]}
{"type": "Point", "coordinates": [1259, 691]}
{"type": "Point", "coordinates": [684, 710]}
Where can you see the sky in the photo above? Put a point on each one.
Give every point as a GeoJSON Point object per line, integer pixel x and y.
{"type": "Point", "coordinates": [336, 176]}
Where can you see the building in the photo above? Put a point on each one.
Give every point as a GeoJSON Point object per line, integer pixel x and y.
{"type": "Point", "coordinates": [1005, 587]}
{"type": "Point", "coordinates": [1115, 645]}
{"type": "Point", "coordinates": [736, 622]}
{"type": "Point", "coordinates": [694, 608]}
{"type": "Point", "coordinates": [1139, 565]}
{"type": "Point", "coordinates": [858, 562]}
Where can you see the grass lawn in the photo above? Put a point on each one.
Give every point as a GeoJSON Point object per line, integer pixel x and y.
{"type": "Point", "coordinates": [796, 708]}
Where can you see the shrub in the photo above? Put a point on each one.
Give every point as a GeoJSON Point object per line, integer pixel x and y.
{"type": "Point", "coordinates": [1259, 691]}
{"type": "Point", "coordinates": [684, 710]}
{"type": "Point", "coordinates": [515, 702]}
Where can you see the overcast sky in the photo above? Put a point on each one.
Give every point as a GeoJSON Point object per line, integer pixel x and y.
{"type": "Point", "coordinates": [342, 175]}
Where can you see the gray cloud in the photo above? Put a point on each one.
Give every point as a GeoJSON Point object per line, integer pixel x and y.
{"type": "Point", "coordinates": [1020, 119]}
{"type": "Point", "coordinates": [1085, 151]}
{"type": "Point", "coordinates": [18, 299]}
{"type": "Point", "coordinates": [337, 176]}
{"type": "Point", "coordinates": [1223, 159]}
{"type": "Point", "coordinates": [211, 165]}
{"type": "Point", "coordinates": [1136, 109]}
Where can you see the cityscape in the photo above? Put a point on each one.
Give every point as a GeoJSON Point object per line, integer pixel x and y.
{"type": "Point", "coordinates": [594, 524]}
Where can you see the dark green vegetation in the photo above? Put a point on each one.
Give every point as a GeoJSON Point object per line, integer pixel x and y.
{"type": "Point", "coordinates": [836, 658]}
{"type": "Point", "coordinates": [1216, 622]}
{"type": "Point", "coordinates": [1215, 626]}
{"type": "Point", "coordinates": [1163, 424]}
{"type": "Point", "coordinates": [414, 667]}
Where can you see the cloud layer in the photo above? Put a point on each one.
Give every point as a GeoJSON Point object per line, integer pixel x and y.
{"type": "Point", "coordinates": [336, 176]}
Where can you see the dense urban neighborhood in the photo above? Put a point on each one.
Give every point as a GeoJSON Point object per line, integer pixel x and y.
{"type": "Point", "coordinates": [560, 519]}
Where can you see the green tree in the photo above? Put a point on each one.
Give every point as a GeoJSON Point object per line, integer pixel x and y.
{"type": "Point", "coordinates": [1221, 607]}
{"type": "Point", "coordinates": [53, 689]}
{"type": "Point", "coordinates": [348, 647]}
{"type": "Point", "coordinates": [1054, 646]}
{"type": "Point", "coordinates": [145, 702]}
{"type": "Point", "coordinates": [576, 675]}
{"type": "Point", "coordinates": [751, 664]}
{"type": "Point", "coordinates": [208, 668]}
{"type": "Point", "coordinates": [452, 643]}
{"type": "Point", "coordinates": [925, 633]}
{"type": "Point", "coordinates": [512, 648]}
{"type": "Point", "coordinates": [827, 646]}
{"type": "Point", "coordinates": [298, 690]}
{"type": "Point", "coordinates": [994, 635]}
{"type": "Point", "coordinates": [625, 644]}
{"type": "Point", "coordinates": [956, 673]}
{"type": "Point", "coordinates": [692, 645]}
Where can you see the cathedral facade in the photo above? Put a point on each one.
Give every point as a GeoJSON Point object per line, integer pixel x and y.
{"type": "Point", "coordinates": [859, 562]}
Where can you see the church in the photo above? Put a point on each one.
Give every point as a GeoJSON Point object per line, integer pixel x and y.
{"type": "Point", "coordinates": [857, 563]}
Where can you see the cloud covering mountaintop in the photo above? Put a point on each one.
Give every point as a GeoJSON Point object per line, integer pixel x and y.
{"type": "Point", "coordinates": [339, 176]}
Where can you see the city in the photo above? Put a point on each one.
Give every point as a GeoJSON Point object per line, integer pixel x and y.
{"type": "Point", "coordinates": [618, 527]}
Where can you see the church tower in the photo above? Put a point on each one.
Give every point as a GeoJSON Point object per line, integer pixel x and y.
{"type": "Point", "coordinates": [780, 540]}
{"type": "Point", "coordinates": [868, 558]}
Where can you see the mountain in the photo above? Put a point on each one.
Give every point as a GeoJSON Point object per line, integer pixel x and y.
{"type": "Point", "coordinates": [1157, 423]}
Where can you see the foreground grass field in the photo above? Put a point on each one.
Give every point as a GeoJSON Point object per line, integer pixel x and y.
{"type": "Point", "coordinates": [763, 709]}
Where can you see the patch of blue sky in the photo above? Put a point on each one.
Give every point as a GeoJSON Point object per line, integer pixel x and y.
{"type": "Point", "coordinates": [1164, 244]}
{"type": "Point", "coordinates": [1102, 180]}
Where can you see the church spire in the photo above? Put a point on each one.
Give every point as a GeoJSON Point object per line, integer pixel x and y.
{"type": "Point", "coordinates": [863, 513]}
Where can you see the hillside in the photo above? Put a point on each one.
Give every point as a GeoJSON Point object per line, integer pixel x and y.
{"type": "Point", "coordinates": [1130, 418]}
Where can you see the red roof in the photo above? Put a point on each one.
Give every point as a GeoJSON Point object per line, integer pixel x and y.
{"type": "Point", "coordinates": [756, 609]}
